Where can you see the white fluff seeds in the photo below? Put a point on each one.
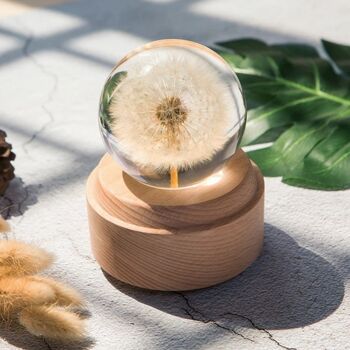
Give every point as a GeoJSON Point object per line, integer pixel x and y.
{"type": "Point", "coordinates": [171, 110]}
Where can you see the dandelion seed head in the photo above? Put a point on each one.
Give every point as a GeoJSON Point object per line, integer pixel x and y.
{"type": "Point", "coordinates": [174, 108]}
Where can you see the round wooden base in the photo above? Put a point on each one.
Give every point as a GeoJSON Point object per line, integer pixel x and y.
{"type": "Point", "coordinates": [176, 239]}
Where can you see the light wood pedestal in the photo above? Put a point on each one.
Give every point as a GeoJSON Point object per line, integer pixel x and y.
{"type": "Point", "coordinates": [176, 239]}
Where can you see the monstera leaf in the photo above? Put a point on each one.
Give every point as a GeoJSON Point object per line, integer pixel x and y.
{"type": "Point", "coordinates": [301, 103]}
{"type": "Point", "coordinates": [106, 98]}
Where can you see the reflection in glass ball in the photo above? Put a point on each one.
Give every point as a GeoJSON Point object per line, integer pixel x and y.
{"type": "Point", "coordinates": [172, 113]}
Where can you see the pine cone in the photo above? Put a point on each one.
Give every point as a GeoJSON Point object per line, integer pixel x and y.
{"type": "Point", "coordinates": [6, 168]}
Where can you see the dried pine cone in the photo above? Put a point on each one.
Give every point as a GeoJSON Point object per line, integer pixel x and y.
{"type": "Point", "coordinates": [6, 168]}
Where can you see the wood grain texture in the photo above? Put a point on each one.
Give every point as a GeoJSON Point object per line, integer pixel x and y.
{"type": "Point", "coordinates": [175, 247]}
{"type": "Point", "coordinates": [124, 188]}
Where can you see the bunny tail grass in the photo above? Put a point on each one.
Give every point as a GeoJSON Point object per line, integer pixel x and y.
{"type": "Point", "coordinates": [20, 259]}
{"type": "Point", "coordinates": [64, 295]}
{"type": "Point", "coordinates": [4, 226]}
{"type": "Point", "coordinates": [19, 292]}
{"type": "Point", "coordinates": [53, 323]}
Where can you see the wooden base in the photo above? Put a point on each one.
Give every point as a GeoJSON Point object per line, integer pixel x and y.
{"type": "Point", "coordinates": [176, 239]}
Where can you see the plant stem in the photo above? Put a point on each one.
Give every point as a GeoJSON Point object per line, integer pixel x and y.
{"type": "Point", "coordinates": [174, 178]}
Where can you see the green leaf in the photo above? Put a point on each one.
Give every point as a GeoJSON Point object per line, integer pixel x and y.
{"type": "Point", "coordinates": [245, 46]}
{"type": "Point", "coordinates": [327, 166]}
{"type": "Point", "coordinates": [297, 100]}
{"type": "Point", "coordinates": [106, 98]}
{"type": "Point", "coordinates": [290, 148]}
{"type": "Point", "coordinates": [340, 54]}
{"type": "Point", "coordinates": [269, 136]}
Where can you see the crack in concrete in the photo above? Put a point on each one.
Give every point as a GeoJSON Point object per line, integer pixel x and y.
{"type": "Point", "coordinates": [85, 257]}
{"type": "Point", "coordinates": [205, 319]}
{"type": "Point", "coordinates": [260, 329]}
{"type": "Point", "coordinates": [7, 208]}
{"type": "Point", "coordinates": [25, 50]}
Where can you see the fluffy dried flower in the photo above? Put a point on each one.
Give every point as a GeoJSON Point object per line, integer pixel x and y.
{"type": "Point", "coordinates": [36, 299]}
{"type": "Point", "coordinates": [64, 295]}
{"type": "Point", "coordinates": [19, 259]}
{"type": "Point", "coordinates": [19, 292]}
{"type": "Point", "coordinates": [53, 322]}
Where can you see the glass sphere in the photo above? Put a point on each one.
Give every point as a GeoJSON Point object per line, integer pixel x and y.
{"type": "Point", "coordinates": [172, 113]}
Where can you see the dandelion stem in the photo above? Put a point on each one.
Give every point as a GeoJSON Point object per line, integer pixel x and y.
{"type": "Point", "coordinates": [174, 178]}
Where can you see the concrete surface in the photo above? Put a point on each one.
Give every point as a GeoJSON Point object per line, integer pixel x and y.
{"type": "Point", "coordinates": [53, 64]}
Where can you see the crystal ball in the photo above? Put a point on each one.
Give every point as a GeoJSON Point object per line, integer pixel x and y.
{"type": "Point", "coordinates": [172, 113]}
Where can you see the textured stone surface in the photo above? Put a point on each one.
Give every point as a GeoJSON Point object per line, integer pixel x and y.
{"type": "Point", "coordinates": [53, 64]}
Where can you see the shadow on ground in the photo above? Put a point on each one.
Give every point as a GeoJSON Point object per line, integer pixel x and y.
{"type": "Point", "coordinates": [287, 287]}
{"type": "Point", "coordinates": [16, 335]}
{"type": "Point", "coordinates": [17, 198]}
{"type": "Point", "coordinates": [137, 18]}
